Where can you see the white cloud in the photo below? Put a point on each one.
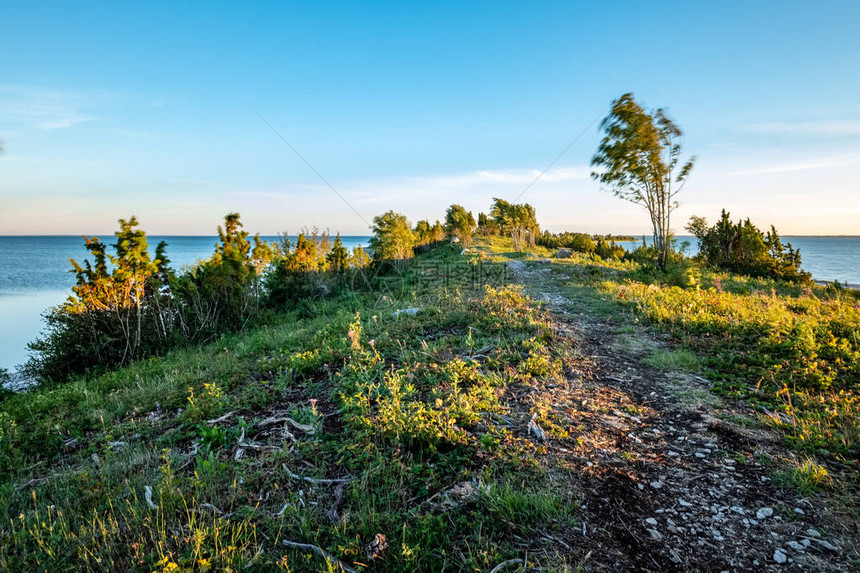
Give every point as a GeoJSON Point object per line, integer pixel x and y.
{"type": "Point", "coordinates": [805, 165]}
{"type": "Point", "coordinates": [809, 128]}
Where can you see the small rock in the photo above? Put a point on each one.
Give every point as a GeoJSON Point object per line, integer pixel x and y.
{"type": "Point", "coordinates": [805, 542]}
{"type": "Point", "coordinates": [672, 454]}
{"type": "Point", "coordinates": [796, 546]}
{"type": "Point", "coordinates": [651, 521]}
{"type": "Point", "coordinates": [799, 511]}
{"type": "Point", "coordinates": [813, 532]}
{"type": "Point", "coordinates": [700, 455]}
{"type": "Point", "coordinates": [685, 503]}
{"type": "Point", "coordinates": [409, 311]}
{"type": "Point", "coordinates": [655, 535]}
{"type": "Point", "coordinates": [779, 556]}
{"type": "Point", "coordinates": [739, 510]}
{"type": "Point", "coordinates": [764, 513]}
{"type": "Point", "coordinates": [564, 254]}
{"type": "Point", "coordinates": [656, 484]}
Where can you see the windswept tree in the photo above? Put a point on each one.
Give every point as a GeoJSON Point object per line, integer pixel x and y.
{"type": "Point", "coordinates": [392, 237]}
{"type": "Point", "coordinates": [640, 161]}
{"type": "Point", "coordinates": [460, 223]}
{"type": "Point", "coordinates": [517, 220]}
{"type": "Point", "coordinates": [423, 232]}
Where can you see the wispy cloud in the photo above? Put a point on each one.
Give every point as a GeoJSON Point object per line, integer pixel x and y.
{"type": "Point", "coordinates": [809, 128]}
{"type": "Point", "coordinates": [485, 182]}
{"type": "Point", "coordinates": [43, 109]}
{"type": "Point", "coordinates": [807, 165]}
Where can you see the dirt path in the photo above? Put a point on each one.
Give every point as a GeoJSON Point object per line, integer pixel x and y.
{"type": "Point", "coordinates": [675, 479]}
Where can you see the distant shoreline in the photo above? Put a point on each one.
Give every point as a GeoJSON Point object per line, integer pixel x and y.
{"type": "Point", "coordinates": [844, 285]}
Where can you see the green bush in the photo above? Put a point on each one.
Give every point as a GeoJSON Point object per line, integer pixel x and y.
{"type": "Point", "coordinates": [742, 248]}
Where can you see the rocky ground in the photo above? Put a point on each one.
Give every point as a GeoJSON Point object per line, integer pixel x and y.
{"type": "Point", "coordinates": [675, 478]}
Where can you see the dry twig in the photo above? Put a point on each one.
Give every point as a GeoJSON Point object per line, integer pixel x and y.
{"type": "Point", "coordinates": [322, 553]}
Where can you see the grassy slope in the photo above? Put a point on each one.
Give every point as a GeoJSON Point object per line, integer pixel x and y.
{"type": "Point", "coordinates": [405, 407]}
{"type": "Point", "coordinates": [426, 415]}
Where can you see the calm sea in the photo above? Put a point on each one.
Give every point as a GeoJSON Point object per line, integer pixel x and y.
{"type": "Point", "coordinates": [34, 276]}
{"type": "Point", "coordinates": [827, 258]}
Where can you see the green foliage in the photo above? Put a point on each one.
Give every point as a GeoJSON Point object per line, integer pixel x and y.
{"type": "Point", "coordinates": [517, 221]}
{"type": "Point", "coordinates": [337, 259]}
{"type": "Point", "coordinates": [460, 223]}
{"type": "Point", "coordinates": [486, 226]}
{"type": "Point", "coordinates": [222, 293]}
{"type": "Point", "coordinates": [578, 242]}
{"type": "Point", "coordinates": [298, 270]}
{"type": "Point", "coordinates": [608, 250]}
{"type": "Point", "coordinates": [113, 316]}
{"type": "Point", "coordinates": [638, 156]}
{"type": "Point", "coordinates": [804, 476]}
{"type": "Point", "coordinates": [742, 248]}
{"type": "Point", "coordinates": [392, 237]}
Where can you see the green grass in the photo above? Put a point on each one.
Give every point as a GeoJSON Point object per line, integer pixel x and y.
{"type": "Point", "coordinates": [681, 359]}
{"type": "Point", "coordinates": [400, 406]}
{"type": "Point", "coordinates": [804, 476]}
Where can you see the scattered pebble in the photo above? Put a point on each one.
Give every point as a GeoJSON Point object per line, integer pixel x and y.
{"type": "Point", "coordinates": [796, 546]}
{"type": "Point", "coordinates": [651, 521]}
{"type": "Point", "coordinates": [656, 484]}
{"type": "Point", "coordinates": [799, 511]}
{"type": "Point", "coordinates": [655, 535]}
{"type": "Point", "coordinates": [779, 556]}
{"type": "Point", "coordinates": [764, 513]}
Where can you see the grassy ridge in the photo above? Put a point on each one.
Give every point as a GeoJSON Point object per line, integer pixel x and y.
{"type": "Point", "coordinates": [794, 351]}
{"type": "Point", "coordinates": [331, 425]}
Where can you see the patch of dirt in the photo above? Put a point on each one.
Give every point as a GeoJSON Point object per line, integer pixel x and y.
{"type": "Point", "coordinates": [668, 478]}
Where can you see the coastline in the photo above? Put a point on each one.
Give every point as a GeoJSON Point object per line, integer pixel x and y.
{"type": "Point", "coordinates": [844, 285]}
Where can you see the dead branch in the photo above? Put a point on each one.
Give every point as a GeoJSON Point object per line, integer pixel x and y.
{"type": "Point", "coordinates": [316, 481]}
{"type": "Point", "coordinates": [147, 493]}
{"type": "Point", "coordinates": [504, 564]}
{"type": "Point", "coordinates": [321, 552]}
{"type": "Point", "coordinates": [306, 428]}
{"type": "Point", "coordinates": [338, 497]}
{"type": "Point", "coordinates": [219, 420]}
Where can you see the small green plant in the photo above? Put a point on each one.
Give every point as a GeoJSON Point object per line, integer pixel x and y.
{"type": "Point", "coordinates": [205, 402]}
{"type": "Point", "coordinates": [804, 476]}
{"type": "Point", "coordinates": [681, 359]}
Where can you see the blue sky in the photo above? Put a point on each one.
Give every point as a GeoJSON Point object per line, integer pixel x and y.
{"type": "Point", "coordinates": [113, 109]}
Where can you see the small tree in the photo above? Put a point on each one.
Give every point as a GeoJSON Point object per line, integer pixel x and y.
{"type": "Point", "coordinates": [517, 220]}
{"type": "Point", "coordinates": [392, 237]}
{"type": "Point", "coordinates": [460, 223]}
{"type": "Point", "coordinates": [640, 154]}
{"type": "Point", "coordinates": [423, 232]}
{"type": "Point", "coordinates": [338, 256]}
